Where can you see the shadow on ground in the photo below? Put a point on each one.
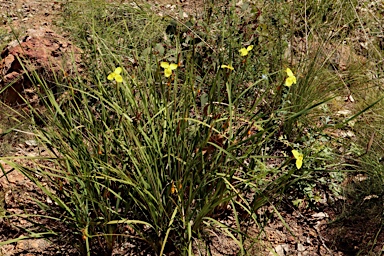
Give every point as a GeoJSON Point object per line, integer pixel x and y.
{"type": "Point", "coordinates": [357, 226]}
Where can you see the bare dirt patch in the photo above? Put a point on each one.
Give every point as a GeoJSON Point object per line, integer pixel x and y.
{"type": "Point", "coordinates": [20, 214]}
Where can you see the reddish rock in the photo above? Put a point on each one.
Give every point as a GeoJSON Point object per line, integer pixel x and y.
{"type": "Point", "coordinates": [41, 52]}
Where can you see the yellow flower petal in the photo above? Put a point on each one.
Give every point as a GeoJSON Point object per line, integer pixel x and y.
{"type": "Point", "coordinates": [289, 81]}
{"type": "Point", "coordinates": [299, 163]}
{"type": "Point", "coordinates": [299, 158]}
{"type": "Point", "coordinates": [167, 72]}
{"type": "Point", "coordinates": [249, 47]}
{"type": "Point", "coordinates": [111, 76]}
{"type": "Point", "coordinates": [118, 78]}
{"type": "Point", "coordinates": [289, 72]}
{"type": "Point", "coordinates": [173, 66]}
{"type": "Point", "coordinates": [243, 52]}
{"type": "Point", "coordinates": [227, 66]}
{"type": "Point", "coordinates": [118, 70]}
{"type": "Point", "coordinates": [164, 64]}
{"type": "Point", "coordinates": [296, 154]}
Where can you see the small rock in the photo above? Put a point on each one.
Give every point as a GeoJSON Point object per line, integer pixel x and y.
{"type": "Point", "coordinates": [320, 215]}
{"type": "Point", "coordinates": [41, 51]}
{"type": "Point", "coordinates": [282, 249]}
{"type": "Point", "coordinates": [345, 112]}
{"type": "Point", "coordinates": [239, 4]}
{"type": "Point", "coordinates": [36, 245]}
{"type": "Point", "coordinates": [290, 239]}
{"type": "Point", "coordinates": [300, 247]}
{"type": "Point", "coordinates": [279, 250]}
{"type": "Point", "coordinates": [31, 143]}
{"type": "Point", "coordinates": [286, 247]}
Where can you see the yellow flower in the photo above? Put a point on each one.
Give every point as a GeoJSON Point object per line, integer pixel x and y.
{"type": "Point", "coordinates": [299, 158]}
{"type": "Point", "coordinates": [291, 79]}
{"type": "Point", "coordinates": [244, 51]}
{"type": "Point", "coordinates": [227, 66]}
{"type": "Point", "coordinates": [115, 75]}
{"type": "Point", "coordinates": [174, 189]}
{"type": "Point", "coordinates": [168, 68]}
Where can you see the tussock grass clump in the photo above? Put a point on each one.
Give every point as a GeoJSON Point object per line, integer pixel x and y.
{"type": "Point", "coordinates": [176, 124]}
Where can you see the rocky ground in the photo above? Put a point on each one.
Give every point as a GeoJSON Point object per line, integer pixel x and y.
{"type": "Point", "coordinates": [322, 230]}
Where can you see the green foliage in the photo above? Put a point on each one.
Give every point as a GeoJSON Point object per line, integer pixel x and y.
{"type": "Point", "coordinates": [163, 155]}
